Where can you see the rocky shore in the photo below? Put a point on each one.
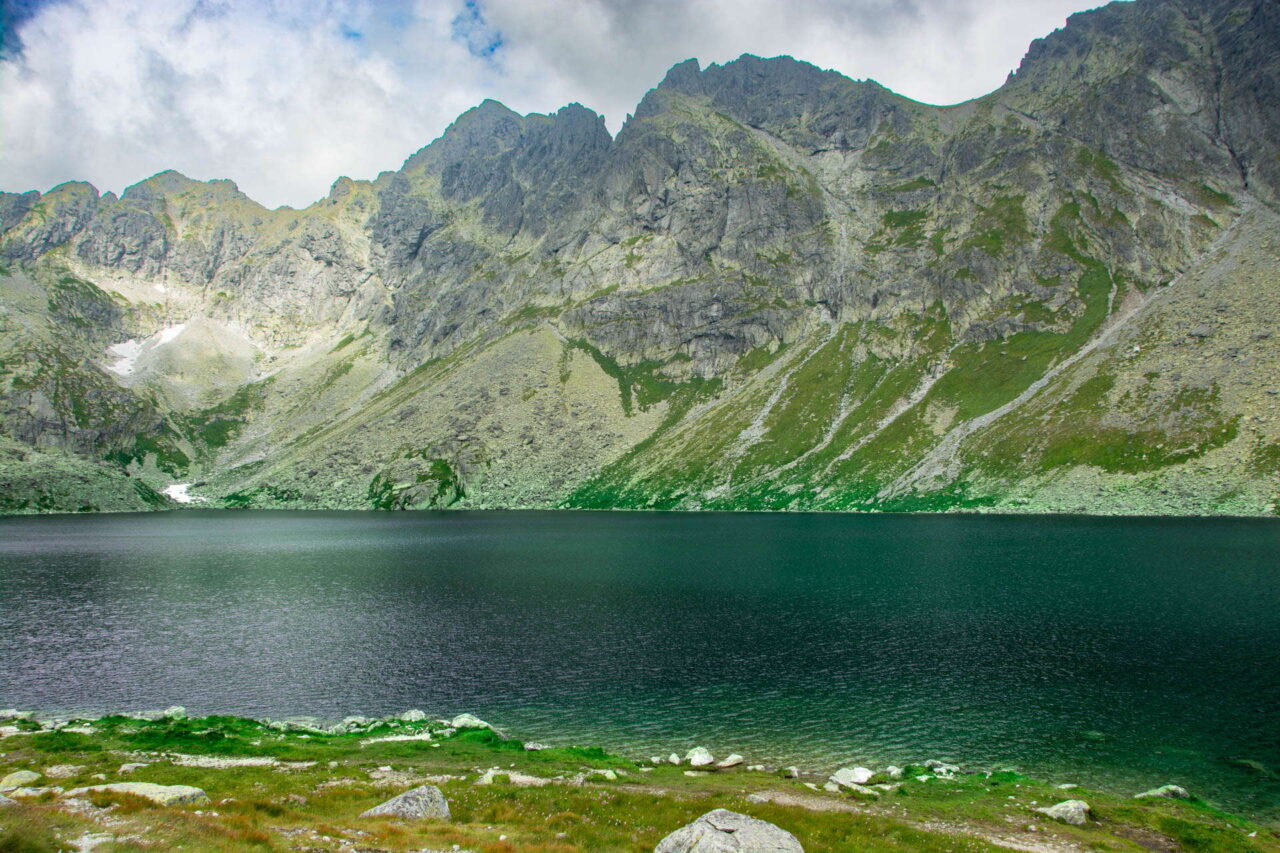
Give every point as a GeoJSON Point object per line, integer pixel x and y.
{"type": "Point", "coordinates": [161, 780]}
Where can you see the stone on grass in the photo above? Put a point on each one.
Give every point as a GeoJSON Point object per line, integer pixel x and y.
{"type": "Point", "coordinates": [520, 780]}
{"type": "Point", "coordinates": [5, 802]}
{"type": "Point", "coordinates": [423, 803]}
{"type": "Point", "coordinates": [413, 715]}
{"type": "Point", "coordinates": [699, 757]}
{"type": "Point", "coordinates": [723, 831]}
{"type": "Point", "coordinates": [849, 776]}
{"type": "Point", "coordinates": [1074, 812]}
{"type": "Point", "coordinates": [732, 761]}
{"type": "Point", "coordinates": [19, 779]}
{"type": "Point", "coordinates": [791, 772]}
{"type": "Point", "coordinates": [1172, 792]}
{"type": "Point", "coordinates": [63, 771]}
{"type": "Point", "coordinates": [165, 795]}
{"type": "Point", "coordinates": [174, 712]}
{"type": "Point", "coordinates": [673, 758]}
{"type": "Point", "coordinates": [893, 771]}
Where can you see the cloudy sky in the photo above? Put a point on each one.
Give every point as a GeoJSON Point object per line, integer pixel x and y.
{"type": "Point", "coordinates": [283, 96]}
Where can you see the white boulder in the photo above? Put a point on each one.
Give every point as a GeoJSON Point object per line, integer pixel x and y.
{"type": "Point", "coordinates": [723, 831]}
{"type": "Point", "coordinates": [423, 803]}
{"type": "Point", "coordinates": [19, 779]}
{"type": "Point", "coordinates": [850, 776]}
{"type": "Point", "coordinates": [699, 757]}
{"type": "Point", "coordinates": [468, 721]}
{"type": "Point", "coordinates": [165, 795]}
{"type": "Point", "coordinates": [1172, 792]}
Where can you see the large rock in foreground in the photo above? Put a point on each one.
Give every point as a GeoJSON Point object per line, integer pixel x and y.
{"type": "Point", "coordinates": [165, 795]}
{"type": "Point", "coordinates": [424, 803]}
{"type": "Point", "coordinates": [723, 831]}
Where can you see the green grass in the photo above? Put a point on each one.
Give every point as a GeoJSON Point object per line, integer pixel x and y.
{"type": "Point", "coordinates": [919, 183]}
{"type": "Point", "coordinates": [641, 386]}
{"type": "Point", "coordinates": [1101, 166]}
{"type": "Point", "coordinates": [1207, 196]}
{"type": "Point", "coordinates": [988, 375]}
{"type": "Point", "coordinates": [907, 225]}
{"type": "Point", "coordinates": [217, 426]}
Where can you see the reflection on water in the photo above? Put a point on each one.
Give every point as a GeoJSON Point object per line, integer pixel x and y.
{"type": "Point", "coordinates": [1127, 652]}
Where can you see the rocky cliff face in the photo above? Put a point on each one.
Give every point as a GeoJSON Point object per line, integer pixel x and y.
{"type": "Point", "coordinates": [775, 288]}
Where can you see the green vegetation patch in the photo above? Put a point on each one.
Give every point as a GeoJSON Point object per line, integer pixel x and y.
{"type": "Point", "coordinates": [218, 425]}
{"type": "Point", "coordinates": [986, 376]}
{"type": "Point", "coordinates": [996, 226]}
{"type": "Point", "coordinates": [641, 386]}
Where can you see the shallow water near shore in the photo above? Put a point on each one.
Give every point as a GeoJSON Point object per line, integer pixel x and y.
{"type": "Point", "coordinates": [1124, 653]}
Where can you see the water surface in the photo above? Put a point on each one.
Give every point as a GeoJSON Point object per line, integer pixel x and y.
{"type": "Point", "coordinates": [1120, 652]}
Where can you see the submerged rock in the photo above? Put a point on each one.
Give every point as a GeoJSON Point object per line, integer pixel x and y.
{"type": "Point", "coordinates": [723, 831]}
{"type": "Point", "coordinates": [165, 795]}
{"type": "Point", "coordinates": [19, 779]}
{"type": "Point", "coordinates": [1172, 792]}
{"type": "Point", "coordinates": [1074, 812]}
{"type": "Point", "coordinates": [422, 803]}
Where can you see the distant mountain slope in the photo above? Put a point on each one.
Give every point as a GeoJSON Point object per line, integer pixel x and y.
{"type": "Point", "coordinates": [775, 288]}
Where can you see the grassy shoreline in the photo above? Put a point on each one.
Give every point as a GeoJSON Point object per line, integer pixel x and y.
{"type": "Point", "coordinates": [301, 786]}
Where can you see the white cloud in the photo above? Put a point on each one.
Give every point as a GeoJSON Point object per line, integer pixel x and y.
{"type": "Point", "coordinates": [283, 96]}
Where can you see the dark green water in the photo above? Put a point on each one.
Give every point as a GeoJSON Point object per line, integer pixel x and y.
{"type": "Point", "coordinates": [1121, 652]}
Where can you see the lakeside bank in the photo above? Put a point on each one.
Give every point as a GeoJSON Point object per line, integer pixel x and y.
{"type": "Point", "coordinates": [163, 781]}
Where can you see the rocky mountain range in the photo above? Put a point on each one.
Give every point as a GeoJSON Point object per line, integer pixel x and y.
{"type": "Point", "coordinates": [775, 288]}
